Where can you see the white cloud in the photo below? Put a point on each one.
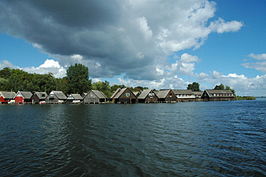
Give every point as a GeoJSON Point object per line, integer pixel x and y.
{"type": "Point", "coordinates": [258, 56]}
{"type": "Point", "coordinates": [258, 65]}
{"type": "Point", "coordinates": [49, 66]}
{"type": "Point", "coordinates": [6, 64]}
{"type": "Point", "coordinates": [188, 58]}
{"type": "Point", "coordinates": [220, 26]}
{"type": "Point", "coordinates": [125, 32]}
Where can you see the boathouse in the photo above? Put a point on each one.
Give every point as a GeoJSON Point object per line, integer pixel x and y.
{"type": "Point", "coordinates": [56, 97]}
{"type": "Point", "coordinates": [198, 95]}
{"type": "Point", "coordinates": [94, 97]}
{"type": "Point", "coordinates": [147, 96]}
{"type": "Point", "coordinates": [23, 97]}
{"type": "Point", "coordinates": [166, 96]}
{"type": "Point", "coordinates": [74, 99]}
{"type": "Point", "coordinates": [184, 95]}
{"type": "Point", "coordinates": [124, 96]}
{"type": "Point", "coordinates": [6, 97]}
{"type": "Point", "coordinates": [218, 95]}
{"type": "Point", "coordinates": [39, 97]}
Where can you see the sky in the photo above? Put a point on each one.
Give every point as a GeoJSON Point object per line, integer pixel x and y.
{"type": "Point", "coordinates": [153, 43]}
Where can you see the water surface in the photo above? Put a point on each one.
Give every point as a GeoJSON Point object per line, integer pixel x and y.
{"type": "Point", "coordinates": [183, 139]}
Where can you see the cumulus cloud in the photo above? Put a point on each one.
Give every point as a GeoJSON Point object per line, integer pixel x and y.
{"type": "Point", "coordinates": [49, 66]}
{"type": "Point", "coordinates": [6, 64]}
{"type": "Point", "coordinates": [259, 64]}
{"type": "Point", "coordinates": [120, 37]}
{"type": "Point", "coordinates": [220, 26]}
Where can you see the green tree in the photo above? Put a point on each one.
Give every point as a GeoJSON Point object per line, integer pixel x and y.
{"type": "Point", "coordinates": [102, 86]}
{"type": "Point", "coordinates": [219, 87]}
{"type": "Point", "coordinates": [78, 79]}
{"type": "Point", "coordinates": [194, 86]}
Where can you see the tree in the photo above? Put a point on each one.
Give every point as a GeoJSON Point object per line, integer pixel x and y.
{"type": "Point", "coordinates": [194, 86]}
{"type": "Point", "coordinates": [219, 87]}
{"type": "Point", "coordinates": [78, 79]}
{"type": "Point", "coordinates": [102, 86]}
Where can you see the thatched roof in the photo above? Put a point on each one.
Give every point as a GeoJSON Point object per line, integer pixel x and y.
{"type": "Point", "coordinates": [7, 95]}
{"type": "Point", "coordinates": [183, 92]}
{"type": "Point", "coordinates": [59, 94]}
{"type": "Point", "coordinates": [144, 93]}
{"type": "Point", "coordinates": [25, 94]}
{"type": "Point", "coordinates": [162, 93]}
{"type": "Point", "coordinates": [41, 95]}
{"type": "Point", "coordinates": [219, 93]}
{"type": "Point", "coordinates": [74, 97]}
{"type": "Point", "coordinates": [99, 94]}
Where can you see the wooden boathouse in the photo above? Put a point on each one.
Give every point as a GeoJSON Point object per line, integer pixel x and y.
{"type": "Point", "coordinates": [94, 97]}
{"type": "Point", "coordinates": [148, 96]}
{"type": "Point", "coordinates": [124, 96]}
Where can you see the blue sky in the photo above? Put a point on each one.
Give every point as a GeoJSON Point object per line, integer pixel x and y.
{"type": "Point", "coordinates": [227, 46]}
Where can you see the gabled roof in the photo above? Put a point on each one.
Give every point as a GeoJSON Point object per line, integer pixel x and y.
{"type": "Point", "coordinates": [162, 93]}
{"type": "Point", "coordinates": [59, 94]}
{"type": "Point", "coordinates": [41, 95]}
{"type": "Point", "coordinates": [74, 97]}
{"type": "Point", "coordinates": [25, 94]}
{"type": "Point", "coordinates": [99, 94]}
{"type": "Point", "coordinates": [114, 94]}
{"type": "Point", "coordinates": [210, 92]}
{"type": "Point", "coordinates": [183, 92]}
{"type": "Point", "coordinates": [120, 92]}
{"type": "Point", "coordinates": [7, 95]}
{"type": "Point", "coordinates": [144, 93]}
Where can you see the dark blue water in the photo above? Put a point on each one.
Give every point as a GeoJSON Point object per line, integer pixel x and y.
{"type": "Point", "coordinates": [183, 139]}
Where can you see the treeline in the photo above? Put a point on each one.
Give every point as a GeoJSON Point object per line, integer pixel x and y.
{"type": "Point", "coordinates": [196, 87]}
{"type": "Point", "coordinates": [76, 81]}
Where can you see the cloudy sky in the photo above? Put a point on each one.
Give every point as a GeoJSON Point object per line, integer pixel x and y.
{"type": "Point", "coordinates": [154, 43]}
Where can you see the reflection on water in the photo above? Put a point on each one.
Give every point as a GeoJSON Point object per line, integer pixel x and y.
{"type": "Point", "coordinates": [184, 139]}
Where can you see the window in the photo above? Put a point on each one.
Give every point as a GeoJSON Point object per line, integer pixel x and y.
{"type": "Point", "coordinates": [127, 94]}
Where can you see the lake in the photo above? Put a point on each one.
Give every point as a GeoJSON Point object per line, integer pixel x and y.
{"type": "Point", "coordinates": [182, 139]}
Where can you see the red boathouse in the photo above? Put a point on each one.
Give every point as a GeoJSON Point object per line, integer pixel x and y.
{"type": "Point", "coordinates": [23, 97]}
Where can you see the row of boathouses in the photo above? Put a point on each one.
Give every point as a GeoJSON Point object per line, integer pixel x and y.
{"type": "Point", "coordinates": [121, 95]}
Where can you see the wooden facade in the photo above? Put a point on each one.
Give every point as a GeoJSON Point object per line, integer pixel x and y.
{"type": "Point", "coordinates": [148, 96]}
{"type": "Point", "coordinates": [124, 96]}
{"type": "Point", "coordinates": [39, 97]}
{"type": "Point", "coordinates": [184, 95]}
{"type": "Point", "coordinates": [94, 97]}
{"type": "Point", "coordinates": [56, 97]}
{"type": "Point", "coordinates": [166, 96]}
{"type": "Point", "coordinates": [218, 95]}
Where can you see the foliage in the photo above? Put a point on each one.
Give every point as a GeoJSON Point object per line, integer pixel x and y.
{"type": "Point", "coordinates": [103, 86]}
{"type": "Point", "coordinates": [245, 98]}
{"type": "Point", "coordinates": [78, 79]}
{"type": "Point", "coordinates": [194, 86]}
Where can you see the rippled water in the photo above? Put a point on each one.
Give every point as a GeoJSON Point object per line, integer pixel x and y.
{"type": "Point", "coordinates": [183, 139]}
